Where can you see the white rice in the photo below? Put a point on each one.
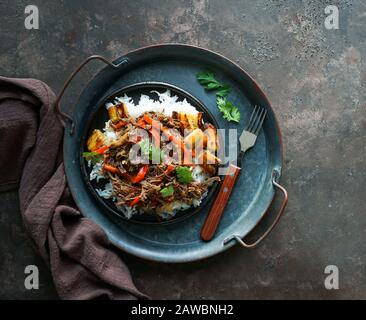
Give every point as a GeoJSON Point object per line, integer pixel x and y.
{"type": "Point", "coordinates": [166, 104]}
{"type": "Point", "coordinates": [96, 172]}
{"type": "Point", "coordinates": [107, 192]}
{"type": "Point", "coordinates": [198, 174]}
{"type": "Point", "coordinates": [128, 212]}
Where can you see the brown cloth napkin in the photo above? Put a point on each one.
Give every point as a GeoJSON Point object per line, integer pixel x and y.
{"type": "Point", "coordinates": [83, 263]}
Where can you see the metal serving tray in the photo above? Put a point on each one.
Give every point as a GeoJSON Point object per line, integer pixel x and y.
{"type": "Point", "coordinates": [178, 65]}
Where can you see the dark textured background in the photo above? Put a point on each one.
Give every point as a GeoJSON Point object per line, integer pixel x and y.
{"type": "Point", "coordinates": [316, 80]}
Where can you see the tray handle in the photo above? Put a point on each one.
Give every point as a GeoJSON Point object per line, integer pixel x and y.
{"type": "Point", "coordinates": [279, 215]}
{"type": "Point", "coordinates": [63, 117]}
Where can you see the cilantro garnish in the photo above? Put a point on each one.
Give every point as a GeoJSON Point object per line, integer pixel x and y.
{"type": "Point", "coordinates": [229, 111]}
{"type": "Point", "coordinates": [184, 174]}
{"type": "Point", "coordinates": [94, 157]}
{"type": "Point", "coordinates": [223, 91]}
{"type": "Point", "coordinates": [167, 191]}
{"type": "Point", "coordinates": [207, 79]}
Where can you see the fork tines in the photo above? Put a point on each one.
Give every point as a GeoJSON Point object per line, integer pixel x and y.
{"type": "Point", "coordinates": [256, 120]}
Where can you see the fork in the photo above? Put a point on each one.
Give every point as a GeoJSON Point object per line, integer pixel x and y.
{"type": "Point", "coordinates": [247, 140]}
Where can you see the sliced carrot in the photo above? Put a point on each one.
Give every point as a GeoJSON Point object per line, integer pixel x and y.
{"type": "Point", "coordinates": [147, 118]}
{"type": "Point", "coordinates": [108, 167]}
{"type": "Point", "coordinates": [141, 123]}
{"type": "Point", "coordinates": [119, 125]}
{"type": "Point", "coordinates": [102, 150]}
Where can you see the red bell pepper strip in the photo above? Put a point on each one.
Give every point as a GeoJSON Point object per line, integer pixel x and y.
{"type": "Point", "coordinates": [110, 168]}
{"type": "Point", "coordinates": [119, 125]}
{"type": "Point", "coordinates": [169, 169]}
{"type": "Point", "coordinates": [140, 175]}
{"type": "Point", "coordinates": [102, 150]}
{"type": "Point", "coordinates": [134, 201]}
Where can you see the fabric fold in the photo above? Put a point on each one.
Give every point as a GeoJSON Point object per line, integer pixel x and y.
{"type": "Point", "coordinates": [83, 263]}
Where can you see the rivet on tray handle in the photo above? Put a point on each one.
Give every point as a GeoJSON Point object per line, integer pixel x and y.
{"type": "Point", "coordinates": [69, 79]}
{"type": "Point", "coordinates": [214, 216]}
{"type": "Point", "coordinates": [279, 214]}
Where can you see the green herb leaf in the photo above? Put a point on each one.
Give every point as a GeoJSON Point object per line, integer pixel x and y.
{"type": "Point", "coordinates": [167, 191]}
{"type": "Point", "coordinates": [223, 91]}
{"type": "Point", "coordinates": [213, 86]}
{"type": "Point", "coordinates": [184, 174]}
{"type": "Point", "coordinates": [94, 157]}
{"type": "Point", "coordinates": [207, 79]}
{"type": "Point", "coordinates": [229, 111]}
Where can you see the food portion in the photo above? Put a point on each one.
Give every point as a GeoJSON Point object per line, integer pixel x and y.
{"type": "Point", "coordinates": [154, 157]}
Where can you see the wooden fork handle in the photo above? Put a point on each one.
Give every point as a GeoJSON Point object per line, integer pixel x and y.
{"type": "Point", "coordinates": [214, 216]}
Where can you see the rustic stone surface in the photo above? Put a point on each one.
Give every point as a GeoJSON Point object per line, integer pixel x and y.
{"type": "Point", "coordinates": [316, 80]}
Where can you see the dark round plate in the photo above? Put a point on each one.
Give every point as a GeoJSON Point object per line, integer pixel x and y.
{"type": "Point", "coordinates": [97, 120]}
{"type": "Point", "coordinates": [178, 65]}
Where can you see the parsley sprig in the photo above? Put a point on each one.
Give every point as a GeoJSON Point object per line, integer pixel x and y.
{"type": "Point", "coordinates": [223, 91]}
{"type": "Point", "coordinates": [207, 79]}
{"type": "Point", "coordinates": [94, 157]}
{"type": "Point", "coordinates": [184, 174]}
{"type": "Point", "coordinates": [167, 191]}
{"type": "Point", "coordinates": [229, 111]}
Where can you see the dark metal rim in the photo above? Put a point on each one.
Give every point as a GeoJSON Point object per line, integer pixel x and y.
{"type": "Point", "coordinates": [274, 223]}
{"type": "Point", "coordinates": [144, 85]}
